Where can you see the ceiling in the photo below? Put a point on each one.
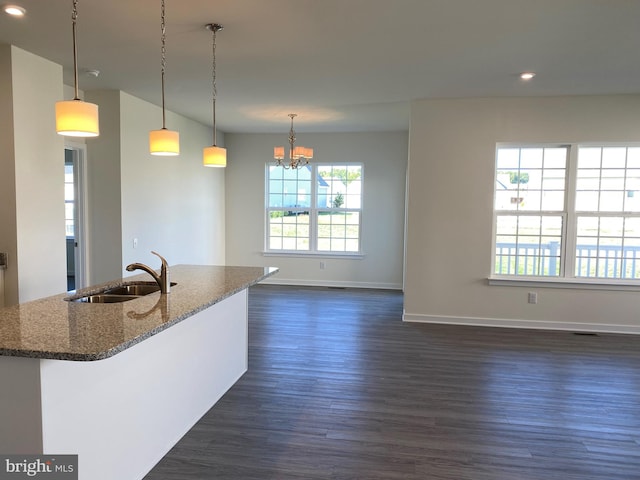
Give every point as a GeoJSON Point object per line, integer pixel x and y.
{"type": "Point", "coordinates": [342, 65]}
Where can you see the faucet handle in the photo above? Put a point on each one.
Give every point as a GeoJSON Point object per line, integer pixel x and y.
{"type": "Point", "coordinates": [165, 282]}
{"type": "Point", "coordinates": [164, 262]}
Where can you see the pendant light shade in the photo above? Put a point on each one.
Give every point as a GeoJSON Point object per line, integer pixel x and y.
{"type": "Point", "coordinates": [75, 118]}
{"type": "Point", "coordinates": [214, 156]}
{"type": "Point", "coordinates": [164, 142]}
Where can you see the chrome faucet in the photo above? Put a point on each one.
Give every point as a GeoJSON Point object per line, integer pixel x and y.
{"type": "Point", "coordinates": [162, 279]}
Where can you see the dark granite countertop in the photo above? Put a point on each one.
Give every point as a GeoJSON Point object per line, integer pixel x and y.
{"type": "Point", "coordinates": [62, 330]}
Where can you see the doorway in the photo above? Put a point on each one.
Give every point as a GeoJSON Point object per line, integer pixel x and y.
{"type": "Point", "coordinates": [74, 216]}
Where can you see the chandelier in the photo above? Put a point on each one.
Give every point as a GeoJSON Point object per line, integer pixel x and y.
{"type": "Point", "coordinates": [298, 156]}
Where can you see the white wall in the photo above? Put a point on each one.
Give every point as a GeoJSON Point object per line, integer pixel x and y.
{"type": "Point", "coordinates": [103, 165]}
{"type": "Point", "coordinates": [384, 155]}
{"type": "Point", "coordinates": [172, 205]}
{"type": "Point", "coordinates": [33, 159]}
{"type": "Point", "coordinates": [450, 192]}
{"type": "Point", "coordinates": [8, 236]}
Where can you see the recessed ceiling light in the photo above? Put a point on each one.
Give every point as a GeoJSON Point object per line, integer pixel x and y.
{"type": "Point", "coordinates": [14, 10]}
{"type": "Point", "coordinates": [527, 75]}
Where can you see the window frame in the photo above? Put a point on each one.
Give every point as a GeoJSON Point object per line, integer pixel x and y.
{"type": "Point", "coordinates": [568, 256]}
{"type": "Point", "coordinates": [72, 203]}
{"type": "Point", "coordinates": [314, 210]}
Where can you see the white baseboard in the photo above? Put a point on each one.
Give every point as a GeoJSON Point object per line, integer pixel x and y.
{"type": "Point", "coordinates": [332, 283]}
{"type": "Point", "coordinates": [517, 323]}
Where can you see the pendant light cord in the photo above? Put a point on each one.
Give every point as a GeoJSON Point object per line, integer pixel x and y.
{"type": "Point", "coordinates": [164, 60]}
{"type": "Point", "coordinates": [74, 17]}
{"type": "Point", "coordinates": [214, 29]}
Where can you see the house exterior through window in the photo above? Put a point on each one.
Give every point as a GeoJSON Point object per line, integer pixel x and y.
{"type": "Point", "coordinates": [316, 209]}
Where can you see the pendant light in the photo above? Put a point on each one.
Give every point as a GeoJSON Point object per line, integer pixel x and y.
{"type": "Point", "coordinates": [214, 156]}
{"type": "Point", "coordinates": [163, 141]}
{"type": "Point", "coordinates": [75, 118]}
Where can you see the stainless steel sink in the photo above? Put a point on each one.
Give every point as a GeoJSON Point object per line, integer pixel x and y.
{"type": "Point", "coordinates": [137, 289]}
{"type": "Point", "coordinates": [102, 298]}
{"type": "Point", "coordinates": [121, 293]}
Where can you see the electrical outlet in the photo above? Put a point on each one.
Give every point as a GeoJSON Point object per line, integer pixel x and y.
{"type": "Point", "coordinates": [532, 297]}
{"type": "Point", "coordinates": [135, 243]}
{"type": "Point", "coordinates": [322, 265]}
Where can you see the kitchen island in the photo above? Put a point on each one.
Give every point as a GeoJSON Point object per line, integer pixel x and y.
{"type": "Point", "coordinates": [120, 383]}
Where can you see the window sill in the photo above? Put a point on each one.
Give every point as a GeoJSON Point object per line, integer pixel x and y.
{"type": "Point", "coordinates": [342, 255]}
{"type": "Point", "coordinates": [574, 283]}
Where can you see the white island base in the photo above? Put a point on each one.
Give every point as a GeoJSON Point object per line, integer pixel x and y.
{"type": "Point", "coordinates": [121, 415]}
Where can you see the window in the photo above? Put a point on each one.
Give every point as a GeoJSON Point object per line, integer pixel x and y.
{"type": "Point", "coordinates": [314, 209]}
{"type": "Point", "coordinates": [567, 211]}
{"type": "Point", "coordinates": [608, 212]}
{"type": "Point", "coordinates": [69, 200]}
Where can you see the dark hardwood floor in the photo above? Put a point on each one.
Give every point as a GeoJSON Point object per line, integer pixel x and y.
{"type": "Point", "coordinates": [339, 387]}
